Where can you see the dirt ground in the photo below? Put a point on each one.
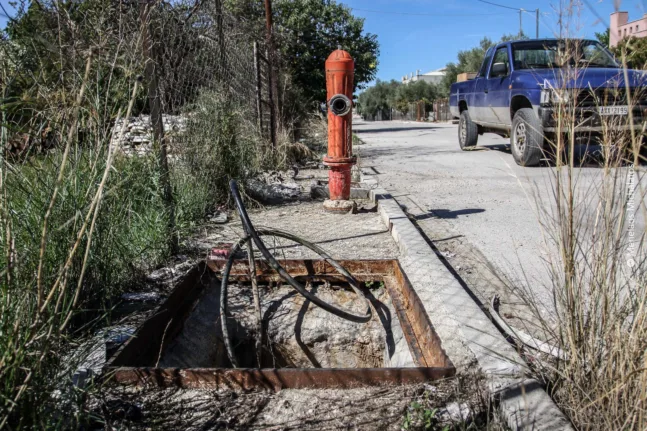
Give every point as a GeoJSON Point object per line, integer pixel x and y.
{"type": "Point", "coordinates": [454, 403]}
{"type": "Point", "coordinates": [297, 333]}
{"type": "Point", "coordinates": [343, 236]}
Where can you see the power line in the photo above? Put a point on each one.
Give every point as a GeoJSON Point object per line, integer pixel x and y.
{"type": "Point", "coordinates": [595, 12]}
{"type": "Point", "coordinates": [500, 5]}
{"type": "Point", "coordinates": [419, 14]}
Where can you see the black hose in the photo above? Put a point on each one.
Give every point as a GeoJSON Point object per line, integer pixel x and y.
{"type": "Point", "coordinates": [332, 309]}
{"type": "Point", "coordinates": [254, 235]}
{"type": "Point", "coordinates": [250, 231]}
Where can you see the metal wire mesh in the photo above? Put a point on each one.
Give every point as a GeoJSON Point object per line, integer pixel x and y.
{"type": "Point", "coordinates": [199, 47]}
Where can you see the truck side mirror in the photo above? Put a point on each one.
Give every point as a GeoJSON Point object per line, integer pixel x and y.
{"type": "Point", "coordinates": [498, 69]}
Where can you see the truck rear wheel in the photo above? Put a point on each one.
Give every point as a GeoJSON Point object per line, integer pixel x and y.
{"type": "Point", "coordinates": [468, 132]}
{"type": "Point", "coordinates": [526, 138]}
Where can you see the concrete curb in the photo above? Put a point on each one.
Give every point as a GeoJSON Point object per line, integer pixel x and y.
{"type": "Point", "coordinates": [465, 330]}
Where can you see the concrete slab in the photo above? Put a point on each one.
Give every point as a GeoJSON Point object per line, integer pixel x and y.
{"type": "Point", "coordinates": [465, 330]}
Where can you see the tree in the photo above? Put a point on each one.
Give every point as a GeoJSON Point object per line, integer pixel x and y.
{"type": "Point", "coordinates": [470, 60]}
{"type": "Point", "coordinates": [603, 37]}
{"type": "Point", "coordinates": [379, 98]}
{"type": "Point", "coordinates": [417, 91]}
{"type": "Point", "coordinates": [632, 49]}
{"type": "Point", "coordinates": [384, 96]}
{"type": "Point", "coordinates": [306, 32]}
{"type": "Point", "coordinates": [310, 30]}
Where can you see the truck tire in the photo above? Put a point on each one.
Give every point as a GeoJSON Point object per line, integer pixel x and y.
{"type": "Point", "coordinates": [526, 138]}
{"type": "Point", "coordinates": [468, 132]}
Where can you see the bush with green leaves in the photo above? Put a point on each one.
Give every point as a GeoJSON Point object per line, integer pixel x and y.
{"type": "Point", "coordinates": [220, 143]}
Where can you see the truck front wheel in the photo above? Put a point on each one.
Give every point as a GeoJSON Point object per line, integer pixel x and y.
{"type": "Point", "coordinates": [468, 132]}
{"type": "Point", "coordinates": [526, 138]}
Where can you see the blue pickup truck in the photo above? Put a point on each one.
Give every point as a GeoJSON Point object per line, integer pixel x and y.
{"type": "Point", "coordinates": [521, 86]}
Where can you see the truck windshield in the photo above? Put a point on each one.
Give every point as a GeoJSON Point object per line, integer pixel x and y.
{"type": "Point", "coordinates": [559, 53]}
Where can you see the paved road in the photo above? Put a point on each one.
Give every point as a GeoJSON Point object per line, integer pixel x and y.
{"type": "Point", "coordinates": [495, 204]}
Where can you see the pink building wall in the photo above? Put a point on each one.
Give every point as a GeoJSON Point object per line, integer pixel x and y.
{"type": "Point", "coordinates": [620, 27]}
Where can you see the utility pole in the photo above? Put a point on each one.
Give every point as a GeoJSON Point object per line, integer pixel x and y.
{"type": "Point", "coordinates": [273, 84]}
{"type": "Point", "coordinates": [537, 24]}
{"type": "Point", "coordinates": [520, 22]}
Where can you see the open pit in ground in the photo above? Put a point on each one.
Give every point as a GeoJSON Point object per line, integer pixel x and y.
{"type": "Point", "coordinates": [298, 334]}
{"type": "Point", "coordinates": [182, 344]}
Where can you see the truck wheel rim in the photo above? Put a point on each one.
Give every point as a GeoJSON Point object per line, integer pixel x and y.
{"type": "Point", "coordinates": [463, 131]}
{"type": "Point", "coordinates": [520, 137]}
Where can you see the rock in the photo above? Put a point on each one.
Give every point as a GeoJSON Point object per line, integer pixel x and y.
{"type": "Point", "coordinates": [161, 274]}
{"type": "Point", "coordinates": [141, 297]}
{"type": "Point", "coordinates": [90, 358]}
{"type": "Point", "coordinates": [219, 217]}
{"type": "Point", "coordinates": [272, 194]}
{"type": "Point", "coordinates": [367, 208]}
{"type": "Point", "coordinates": [454, 412]}
{"type": "Point", "coordinates": [319, 192]}
{"type": "Point", "coordinates": [115, 337]}
{"type": "Point", "coordinates": [118, 409]}
{"type": "Point", "coordinates": [183, 267]}
{"type": "Point", "coordinates": [139, 133]}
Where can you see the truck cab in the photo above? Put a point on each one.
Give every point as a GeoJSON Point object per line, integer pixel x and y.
{"type": "Point", "coordinates": [523, 88]}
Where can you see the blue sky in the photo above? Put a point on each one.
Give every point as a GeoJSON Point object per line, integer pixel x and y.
{"type": "Point", "coordinates": [430, 40]}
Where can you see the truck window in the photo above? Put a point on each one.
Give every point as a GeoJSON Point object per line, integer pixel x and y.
{"type": "Point", "coordinates": [500, 58]}
{"type": "Point", "coordinates": [553, 54]}
{"type": "Point", "coordinates": [486, 63]}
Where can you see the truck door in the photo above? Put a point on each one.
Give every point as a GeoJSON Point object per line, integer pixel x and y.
{"type": "Point", "coordinates": [477, 104]}
{"type": "Point", "coordinates": [497, 88]}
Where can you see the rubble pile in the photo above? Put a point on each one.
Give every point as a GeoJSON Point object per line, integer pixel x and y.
{"type": "Point", "coordinates": [138, 135]}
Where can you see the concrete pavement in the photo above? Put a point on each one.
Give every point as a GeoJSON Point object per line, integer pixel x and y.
{"type": "Point", "coordinates": [481, 196]}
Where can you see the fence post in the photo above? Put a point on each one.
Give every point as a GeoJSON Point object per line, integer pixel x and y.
{"type": "Point", "coordinates": [157, 123]}
{"type": "Point", "coordinates": [259, 89]}
{"type": "Point", "coordinates": [272, 76]}
{"type": "Point", "coordinates": [271, 95]}
{"type": "Point", "coordinates": [221, 36]}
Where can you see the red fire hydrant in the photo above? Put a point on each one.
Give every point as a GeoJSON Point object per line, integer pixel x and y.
{"type": "Point", "coordinates": [340, 69]}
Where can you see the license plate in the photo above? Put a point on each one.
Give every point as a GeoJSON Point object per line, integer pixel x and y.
{"type": "Point", "coordinates": [613, 110]}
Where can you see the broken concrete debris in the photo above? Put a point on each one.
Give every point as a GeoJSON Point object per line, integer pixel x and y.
{"type": "Point", "coordinates": [137, 139]}
{"type": "Point", "coordinates": [272, 193]}
{"type": "Point", "coordinates": [219, 217]}
{"type": "Point", "coordinates": [141, 297]}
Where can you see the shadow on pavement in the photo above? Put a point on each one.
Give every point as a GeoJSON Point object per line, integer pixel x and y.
{"type": "Point", "coordinates": [444, 213]}
{"type": "Point", "coordinates": [393, 129]}
{"type": "Point", "coordinates": [505, 148]}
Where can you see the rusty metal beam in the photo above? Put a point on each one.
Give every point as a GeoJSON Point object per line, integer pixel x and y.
{"type": "Point", "coordinates": [426, 336]}
{"type": "Point", "coordinates": [274, 379]}
{"type": "Point", "coordinates": [374, 268]}
{"type": "Point", "coordinates": [134, 363]}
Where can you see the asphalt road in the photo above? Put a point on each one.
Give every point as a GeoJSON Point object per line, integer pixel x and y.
{"type": "Point", "coordinates": [495, 204]}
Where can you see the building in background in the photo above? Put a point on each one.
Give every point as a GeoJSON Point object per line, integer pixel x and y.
{"type": "Point", "coordinates": [620, 27]}
{"type": "Point", "coordinates": [433, 77]}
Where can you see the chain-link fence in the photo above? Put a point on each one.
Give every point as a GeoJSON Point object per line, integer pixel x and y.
{"type": "Point", "coordinates": [441, 110]}
{"type": "Point", "coordinates": [121, 125]}
{"type": "Point", "coordinates": [198, 47]}
{"type": "Point", "coordinates": [438, 110]}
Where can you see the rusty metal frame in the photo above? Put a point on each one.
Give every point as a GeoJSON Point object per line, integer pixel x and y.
{"type": "Point", "coordinates": [135, 362]}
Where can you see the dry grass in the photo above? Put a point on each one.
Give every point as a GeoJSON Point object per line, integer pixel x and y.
{"type": "Point", "coordinates": [599, 274]}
